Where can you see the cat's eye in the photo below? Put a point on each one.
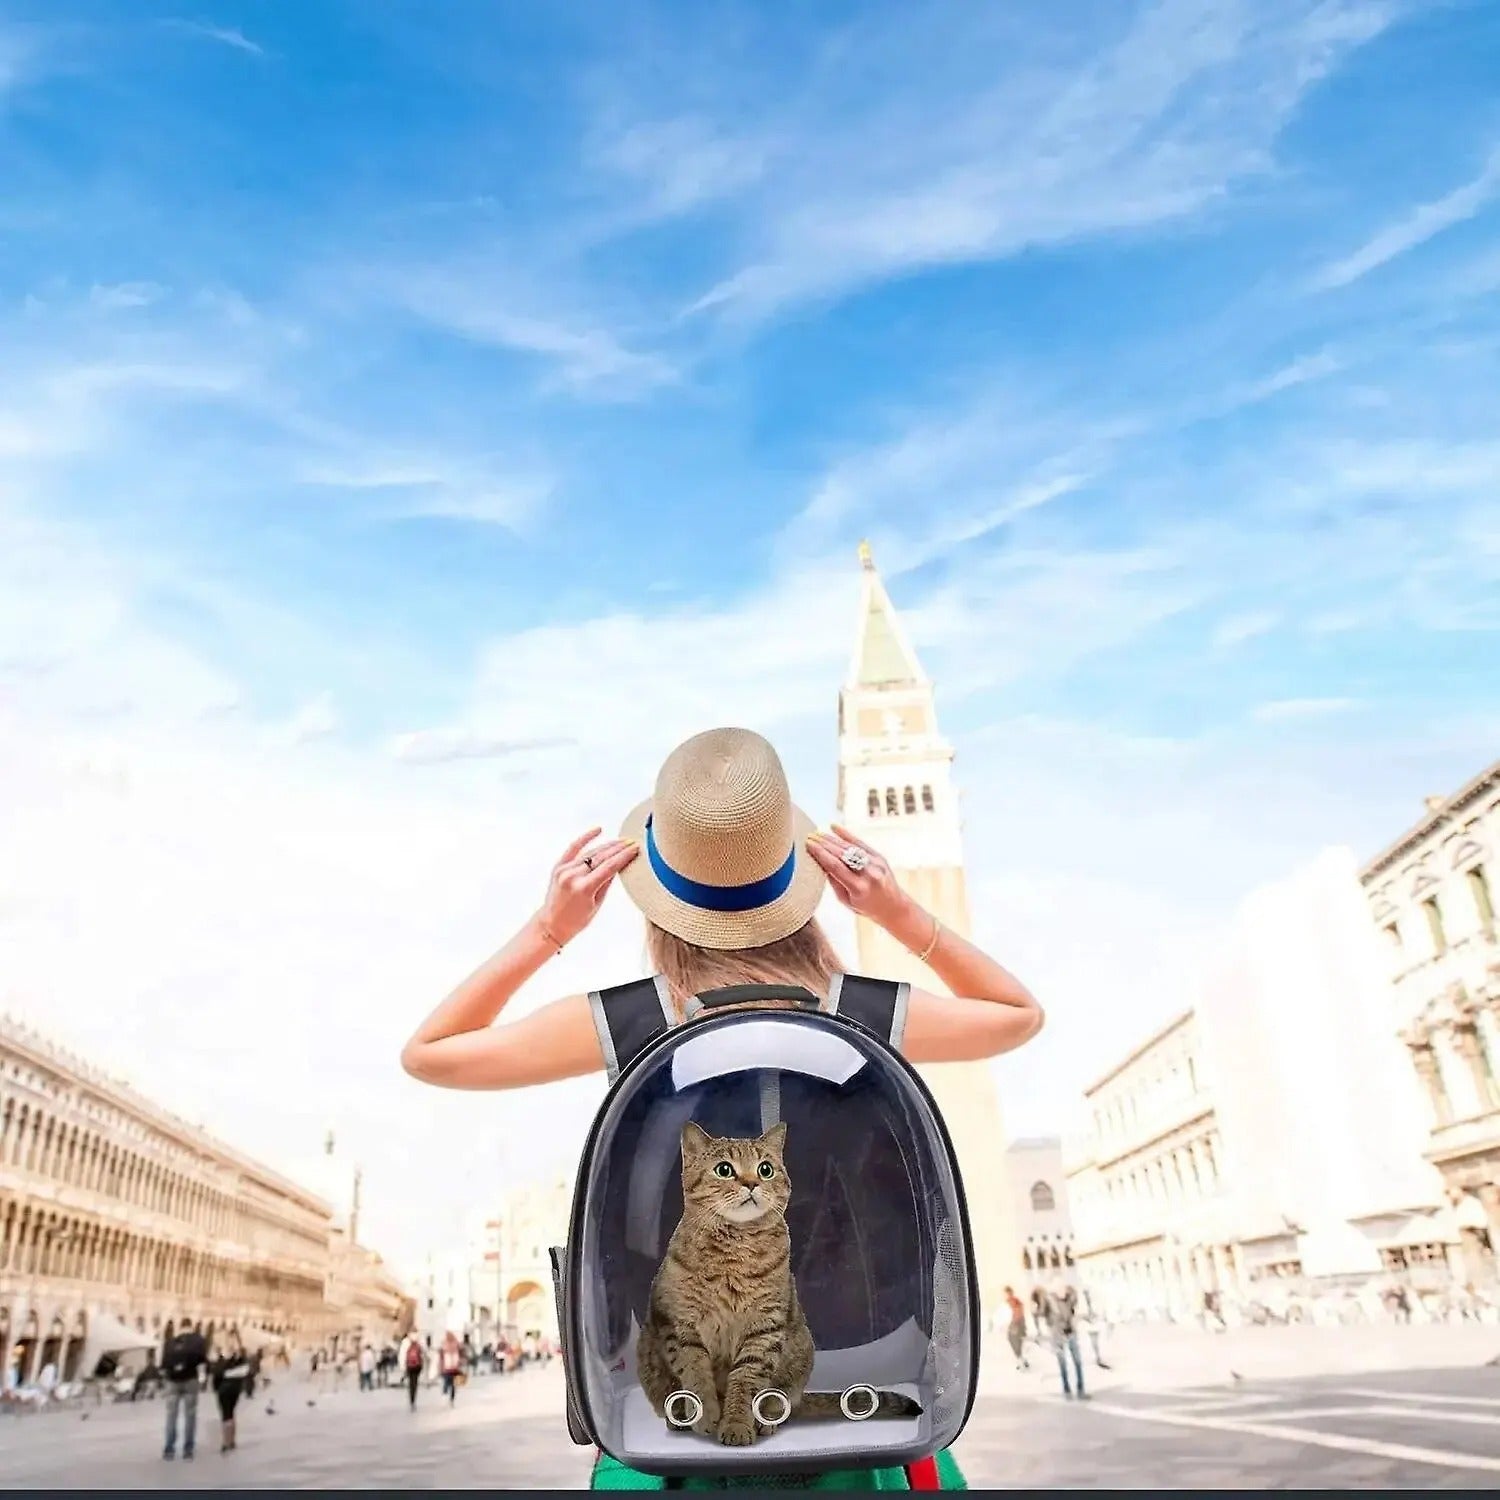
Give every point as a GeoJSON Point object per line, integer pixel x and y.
{"type": "Point", "coordinates": [723, 1169]}
{"type": "Point", "coordinates": [766, 1169]}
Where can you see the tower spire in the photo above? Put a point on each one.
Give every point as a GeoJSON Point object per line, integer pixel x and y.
{"type": "Point", "coordinates": [883, 656]}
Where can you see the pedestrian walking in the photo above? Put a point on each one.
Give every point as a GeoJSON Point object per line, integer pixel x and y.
{"type": "Point", "coordinates": [1016, 1332]}
{"type": "Point", "coordinates": [1062, 1331]}
{"type": "Point", "coordinates": [367, 1368]}
{"type": "Point", "coordinates": [1093, 1324]}
{"type": "Point", "coordinates": [233, 1376]}
{"type": "Point", "coordinates": [182, 1362]}
{"type": "Point", "coordinates": [414, 1360]}
{"type": "Point", "coordinates": [450, 1363]}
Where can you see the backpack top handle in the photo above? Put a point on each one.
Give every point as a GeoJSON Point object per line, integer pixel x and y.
{"type": "Point", "coordinates": [744, 994]}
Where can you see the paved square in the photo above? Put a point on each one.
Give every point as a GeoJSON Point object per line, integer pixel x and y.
{"type": "Point", "coordinates": [1169, 1413]}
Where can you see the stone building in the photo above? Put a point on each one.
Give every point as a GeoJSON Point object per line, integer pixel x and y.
{"type": "Point", "coordinates": [1145, 1181]}
{"type": "Point", "coordinates": [1432, 897]}
{"type": "Point", "coordinates": [497, 1279]}
{"type": "Point", "coordinates": [1039, 1199]}
{"type": "Point", "coordinates": [535, 1218]}
{"type": "Point", "coordinates": [117, 1219]}
{"type": "Point", "coordinates": [896, 788]}
{"type": "Point", "coordinates": [1269, 1139]}
{"type": "Point", "coordinates": [111, 1206]}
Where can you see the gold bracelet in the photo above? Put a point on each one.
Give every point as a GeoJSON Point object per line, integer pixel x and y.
{"type": "Point", "coordinates": [541, 927]}
{"type": "Point", "coordinates": [927, 952]}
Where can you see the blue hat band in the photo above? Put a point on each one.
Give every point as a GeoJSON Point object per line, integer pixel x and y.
{"type": "Point", "coordinates": [719, 897]}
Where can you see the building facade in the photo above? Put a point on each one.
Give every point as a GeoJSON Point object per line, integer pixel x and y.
{"type": "Point", "coordinates": [1432, 899]}
{"type": "Point", "coordinates": [111, 1208]}
{"type": "Point", "coordinates": [498, 1283]}
{"type": "Point", "coordinates": [896, 789]}
{"type": "Point", "coordinates": [1145, 1182]}
{"type": "Point", "coordinates": [1039, 1206]}
{"type": "Point", "coordinates": [1268, 1140]}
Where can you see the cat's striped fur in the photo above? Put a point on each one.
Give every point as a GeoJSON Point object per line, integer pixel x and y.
{"type": "Point", "coordinates": [724, 1320]}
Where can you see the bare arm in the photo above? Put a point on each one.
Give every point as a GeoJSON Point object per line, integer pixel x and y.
{"type": "Point", "coordinates": [989, 1012]}
{"type": "Point", "coordinates": [458, 1047]}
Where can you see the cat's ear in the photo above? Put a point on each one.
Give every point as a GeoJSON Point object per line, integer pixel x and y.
{"type": "Point", "coordinates": [775, 1138]}
{"type": "Point", "coordinates": [695, 1140]}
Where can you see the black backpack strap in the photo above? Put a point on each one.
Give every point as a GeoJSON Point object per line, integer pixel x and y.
{"type": "Point", "coordinates": [628, 1017]}
{"type": "Point", "coordinates": [877, 1004]}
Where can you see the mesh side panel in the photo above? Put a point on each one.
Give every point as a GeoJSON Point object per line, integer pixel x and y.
{"type": "Point", "coordinates": [945, 1354]}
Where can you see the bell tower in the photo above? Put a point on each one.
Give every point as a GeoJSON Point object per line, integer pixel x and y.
{"type": "Point", "coordinates": [896, 790]}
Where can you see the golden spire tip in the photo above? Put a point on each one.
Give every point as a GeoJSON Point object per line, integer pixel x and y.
{"type": "Point", "coordinates": [866, 557]}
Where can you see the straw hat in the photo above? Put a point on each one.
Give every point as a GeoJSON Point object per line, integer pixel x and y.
{"type": "Point", "coordinates": [723, 861]}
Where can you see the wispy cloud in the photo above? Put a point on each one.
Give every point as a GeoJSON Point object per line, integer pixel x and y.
{"type": "Point", "coordinates": [430, 747]}
{"type": "Point", "coordinates": [1300, 371]}
{"type": "Point", "coordinates": [226, 36]}
{"type": "Point", "coordinates": [679, 164]}
{"type": "Point", "coordinates": [1282, 710]}
{"type": "Point", "coordinates": [413, 487]}
{"type": "Point", "coordinates": [583, 358]}
{"type": "Point", "coordinates": [1238, 629]}
{"type": "Point", "coordinates": [1416, 228]}
{"type": "Point", "coordinates": [317, 719]}
{"type": "Point", "coordinates": [126, 294]}
{"type": "Point", "coordinates": [1153, 130]}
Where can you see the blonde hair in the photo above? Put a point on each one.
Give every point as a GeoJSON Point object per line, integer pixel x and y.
{"type": "Point", "coordinates": [806, 957]}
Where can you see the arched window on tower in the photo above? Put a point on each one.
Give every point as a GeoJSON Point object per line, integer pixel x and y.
{"type": "Point", "coordinates": [926, 799]}
{"type": "Point", "coordinates": [890, 800]}
{"type": "Point", "coordinates": [910, 800]}
{"type": "Point", "coordinates": [874, 803]}
{"type": "Point", "coordinates": [1026, 1260]}
{"type": "Point", "coordinates": [1042, 1199]}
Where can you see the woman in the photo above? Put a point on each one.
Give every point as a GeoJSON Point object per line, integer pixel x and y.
{"type": "Point", "coordinates": [232, 1378]}
{"type": "Point", "coordinates": [450, 1362]}
{"type": "Point", "coordinates": [721, 800]}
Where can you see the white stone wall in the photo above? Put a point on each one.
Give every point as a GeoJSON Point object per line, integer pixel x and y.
{"type": "Point", "coordinates": [1273, 1133]}
{"type": "Point", "coordinates": [1432, 900]}
{"type": "Point", "coordinates": [109, 1205]}
{"type": "Point", "coordinates": [1040, 1206]}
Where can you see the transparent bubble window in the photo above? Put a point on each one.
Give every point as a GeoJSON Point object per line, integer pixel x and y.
{"type": "Point", "coordinates": [879, 1255]}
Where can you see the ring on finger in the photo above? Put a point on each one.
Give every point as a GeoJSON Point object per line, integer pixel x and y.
{"type": "Point", "coordinates": [855, 858]}
{"type": "Point", "coordinates": [588, 861]}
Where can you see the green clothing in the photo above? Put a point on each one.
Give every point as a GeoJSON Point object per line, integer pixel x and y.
{"type": "Point", "coordinates": [610, 1474]}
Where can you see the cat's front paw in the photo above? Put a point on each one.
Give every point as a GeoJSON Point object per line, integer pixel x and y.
{"type": "Point", "coordinates": [708, 1420]}
{"type": "Point", "coordinates": [737, 1431]}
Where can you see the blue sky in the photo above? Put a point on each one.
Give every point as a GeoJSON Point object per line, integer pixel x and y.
{"type": "Point", "coordinates": [411, 425]}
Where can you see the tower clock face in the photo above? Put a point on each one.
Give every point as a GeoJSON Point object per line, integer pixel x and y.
{"type": "Point", "coordinates": [891, 720]}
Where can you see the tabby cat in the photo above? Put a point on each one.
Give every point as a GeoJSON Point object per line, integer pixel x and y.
{"type": "Point", "coordinates": [724, 1321]}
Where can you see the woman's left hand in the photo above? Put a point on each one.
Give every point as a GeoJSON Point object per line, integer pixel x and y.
{"type": "Point", "coordinates": [872, 890]}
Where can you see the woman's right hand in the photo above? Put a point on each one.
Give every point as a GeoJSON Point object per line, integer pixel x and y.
{"type": "Point", "coordinates": [579, 880]}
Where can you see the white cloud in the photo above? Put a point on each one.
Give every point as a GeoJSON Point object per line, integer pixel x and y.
{"type": "Point", "coordinates": [680, 163]}
{"type": "Point", "coordinates": [1300, 371]}
{"type": "Point", "coordinates": [126, 294]}
{"type": "Point", "coordinates": [440, 746]}
{"type": "Point", "coordinates": [1415, 228]}
{"type": "Point", "coordinates": [928, 166]}
{"type": "Point", "coordinates": [227, 36]}
{"type": "Point", "coordinates": [1238, 629]}
{"type": "Point", "coordinates": [584, 358]}
{"type": "Point", "coordinates": [1280, 710]}
{"type": "Point", "coordinates": [317, 719]}
{"type": "Point", "coordinates": [434, 487]}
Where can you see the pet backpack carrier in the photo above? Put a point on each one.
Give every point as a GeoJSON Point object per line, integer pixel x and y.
{"type": "Point", "coordinates": [695, 1342]}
